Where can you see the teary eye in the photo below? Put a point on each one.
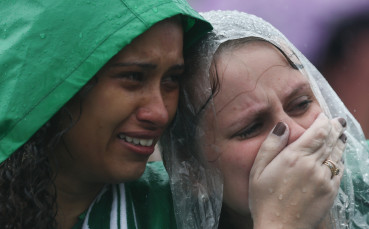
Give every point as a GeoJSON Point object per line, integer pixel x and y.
{"type": "Point", "coordinates": [171, 81]}
{"type": "Point", "coordinates": [132, 76]}
{"type": "Point", "coordinates": [299, 105]}
{"type": "Point", "coordinates": [251, 130]}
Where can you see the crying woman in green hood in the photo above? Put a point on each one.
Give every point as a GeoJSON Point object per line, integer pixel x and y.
{"type": "Point", "coordinates": [86, 91]}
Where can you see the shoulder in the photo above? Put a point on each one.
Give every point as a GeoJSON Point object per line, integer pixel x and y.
{"type": "Point", "coordinates": [154, 177]}
{"type": "Point", "coordinates": [152, 198]}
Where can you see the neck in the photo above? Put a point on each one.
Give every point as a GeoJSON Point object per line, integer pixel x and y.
{"type": "Point", "coordinates": [73, 198]}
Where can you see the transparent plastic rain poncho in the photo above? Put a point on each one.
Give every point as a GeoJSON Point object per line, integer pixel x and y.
{"type": "Point", "coordinates": [196, 186]}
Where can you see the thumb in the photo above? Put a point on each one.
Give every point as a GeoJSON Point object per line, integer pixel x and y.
{"type": "Point", "coordinates": [271, 147]}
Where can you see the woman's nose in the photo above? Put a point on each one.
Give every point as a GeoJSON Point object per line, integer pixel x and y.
{"type": "Point", "coordinates": [153, 110]}
{"type": "Point", "coordinates": [296, 129]}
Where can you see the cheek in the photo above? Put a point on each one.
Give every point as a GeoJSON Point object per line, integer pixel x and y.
{"type": "Point", "coordinates": [102, 110]}
{"type": "Point", "coordinates": [235, 164]}
{"type": "Point", "coordinates": [171, 103]}
{"type": "Point", "coordinates": [314, 112]}
{"type": "Point", "coordinates": [239, 156]}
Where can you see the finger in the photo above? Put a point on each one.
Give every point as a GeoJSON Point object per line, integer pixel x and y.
{"type": "Point", "coordinates": [332, 140]}
{"type": "Point", "coordinates": [339, 148]}
{"type": "Point", "coordinates": [333, 170]}
{"type": "Point", "coordinates": [338, 177]}
{"type": "Point", "coordinates": [271, 147]}
{"type": "Point", "coordinates": [314, 137]}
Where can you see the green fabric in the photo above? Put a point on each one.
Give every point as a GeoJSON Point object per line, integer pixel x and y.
{"type": "Point", "coordinates": [100, 212]}
{"type": "Point", "coordinates": [49, 49]}
{"type": "Point", "coordinates": [152, 198]}
{"type": "Point", "coordinates": [149, 196]}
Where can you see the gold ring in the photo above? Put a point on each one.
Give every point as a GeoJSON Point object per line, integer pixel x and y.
{"type": "Point", "coordinates": [334, 170]}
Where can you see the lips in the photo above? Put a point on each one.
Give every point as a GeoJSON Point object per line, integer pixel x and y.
{"type": "Point", "coordinates": [137, 141]}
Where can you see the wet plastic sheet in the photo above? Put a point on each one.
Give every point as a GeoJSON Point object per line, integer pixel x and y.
{"type": "Point", "coordinates": [197, 187]}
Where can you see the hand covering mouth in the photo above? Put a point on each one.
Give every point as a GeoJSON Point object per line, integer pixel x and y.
{"type": "Point", "coordinates": [136, 141]}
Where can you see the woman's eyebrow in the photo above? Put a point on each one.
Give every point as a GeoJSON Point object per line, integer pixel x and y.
{"type": "Point", "coordinates": [143, 65]}
{"type": "Point", "coordinates": [147, 66]}
{"type": "Point", "coordinates": [177, 67]}
{"type": "Point", "coordinates": [299, 87]}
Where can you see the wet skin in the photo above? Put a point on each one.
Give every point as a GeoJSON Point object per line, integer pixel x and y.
{"type": "Point", "coordinates": [258, 88]}
{"type": "Point", "coordinates": [122, 117]}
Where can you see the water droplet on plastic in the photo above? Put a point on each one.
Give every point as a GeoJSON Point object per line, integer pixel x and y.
{"type": "Point", "coordinates": [155, 9]}
{"type": "Point", "coordinates": [80, 35]}
{"type": "Point", "coordinates": [42, 35]}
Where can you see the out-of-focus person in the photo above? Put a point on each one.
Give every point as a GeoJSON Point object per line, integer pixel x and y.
{"type": "Point", "coordinates": [345, 64]}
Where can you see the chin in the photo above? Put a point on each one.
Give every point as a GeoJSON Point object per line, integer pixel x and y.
{"type": "Point", "coordinates": [125, 175]}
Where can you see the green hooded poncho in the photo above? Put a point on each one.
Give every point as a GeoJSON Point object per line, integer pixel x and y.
{"type": "Point", "coordinates": [49, 49]}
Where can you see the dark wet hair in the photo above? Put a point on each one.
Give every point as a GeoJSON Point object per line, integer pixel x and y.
{"type": "Point", "coordinates": [27, 193]}
{"type": "Point", "coordinates": [27, 189]}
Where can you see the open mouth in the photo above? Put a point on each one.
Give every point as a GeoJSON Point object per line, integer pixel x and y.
{"type": "Point", "coordinates": [136, 141]}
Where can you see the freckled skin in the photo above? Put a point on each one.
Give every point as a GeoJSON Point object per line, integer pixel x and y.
{"type": "Point", "coordinates": [256, 83]}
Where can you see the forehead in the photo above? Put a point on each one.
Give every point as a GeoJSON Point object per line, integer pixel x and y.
{"type": "Point", "coordinates": [252, 69]}
{"type": "Point", "coordinates": [253, 58]}
{"type": "Point", "coordinates": [164, 37]}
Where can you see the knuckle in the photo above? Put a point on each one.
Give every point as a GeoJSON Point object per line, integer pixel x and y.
{"type": "Point", "coordinates": [290, 159]}
{"type": "Point", "coordinates": [322, 132]}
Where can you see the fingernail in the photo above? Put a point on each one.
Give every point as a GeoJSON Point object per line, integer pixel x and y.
{"type": "Point", "coordinates": [343, 138]}
{"type": "Point", "coordinates": [279, 129]}
{"type": "Point", "coordinates": [342, 121]}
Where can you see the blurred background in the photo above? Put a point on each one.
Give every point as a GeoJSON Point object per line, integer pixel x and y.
{"type": "Point", "coordinates": [332, 34]}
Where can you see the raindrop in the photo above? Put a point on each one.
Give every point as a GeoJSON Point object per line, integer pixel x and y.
{"type": "Point", "coordinates": [284, 180]}
{"type": "Point", "coordinates": [293, 203]}
{"type": "Point", "coordinates": [303, 189]}
{"type": "Point", "coordinates": [280, 197]}
{"type": "Point", "coordinates": [4, 36]}
{"type": "Point", "coordinates": [42, 35]}
{"type": "Point", "coordinates": [298, 216]}
{"type": "Point", "coordinates": [80, 35]}
{"type": "Point", "coordinates": [271, 190]}
{"type": "Point", "coordinates": [155, 9]}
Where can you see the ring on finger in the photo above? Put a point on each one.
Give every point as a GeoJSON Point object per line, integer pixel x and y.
{"type": "Point", "coordinates": [332, 166]}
